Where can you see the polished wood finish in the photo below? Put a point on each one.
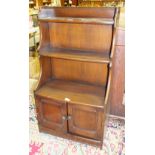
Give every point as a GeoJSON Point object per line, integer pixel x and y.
{"type": "Point", "coordinates": [76, 56]}
{"type": "Point", "coordinates": [80, 124]}
{"type": "Point", "coordinates": [45, 74]}
{"type": "Point", "coordinates": [44, 38]}
{"type": "Point", "coordinates": [50, 113]}
{"type": "Point", "coordinates": [100, 21]}
{"type": "Point", "coordinates": [88, 71]}
{"type": "Point", "coordinates": [78, 93]}
{"type": "Point", "coordinates": [118, 80]}
{"type": "Point", "coordinates": [80, 12]}
{"type": "Point", "coordinates": [76, 36]}
{"type": "Point", "coordinates": [120, 41]}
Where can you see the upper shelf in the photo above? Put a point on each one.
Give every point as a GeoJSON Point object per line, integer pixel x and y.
{"type": "Point", "coordinates": [84, 15]}
{"type": "Point", "coordinates": [78, 12]}
{"type": "Point", "coordinates": [106, 21]}
{"type": "Point", "coordinates": [75, 55]}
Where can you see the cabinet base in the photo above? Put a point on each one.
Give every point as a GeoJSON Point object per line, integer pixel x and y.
{"type": "Point", "coordinates": [93, 142]}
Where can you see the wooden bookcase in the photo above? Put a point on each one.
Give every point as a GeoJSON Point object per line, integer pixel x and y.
{"type": "Point", "coordinates": [76, 52]}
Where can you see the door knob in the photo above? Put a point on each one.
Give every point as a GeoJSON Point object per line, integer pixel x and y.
{"type": "Point", "coordinates": [69, 117]}
{"type": "Point", "coordinates": [64, 118]}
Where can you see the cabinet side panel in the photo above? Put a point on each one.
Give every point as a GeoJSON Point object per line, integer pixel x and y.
{"type": "Point", "coordinates": [118, 82]}
{"type": "Point", "coordinates": [44, 34]}
{"type": "Point", "coordinates": [46, 73]}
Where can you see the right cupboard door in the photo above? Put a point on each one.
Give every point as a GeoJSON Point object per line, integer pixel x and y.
{"type": "Point", "coordinates": [85, 121]}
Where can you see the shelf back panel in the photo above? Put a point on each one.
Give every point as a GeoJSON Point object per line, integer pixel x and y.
{"type": "Point", "coordinates": [87, 37]}
{"type": "Point", "coordinates": [89, 72]}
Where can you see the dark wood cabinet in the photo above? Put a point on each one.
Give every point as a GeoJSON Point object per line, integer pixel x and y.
{"type": "Point", "coordinates": [76, 55]}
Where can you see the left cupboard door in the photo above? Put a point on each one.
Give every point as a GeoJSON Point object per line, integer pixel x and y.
{"type": "Point", "coordinates": [51, 114]}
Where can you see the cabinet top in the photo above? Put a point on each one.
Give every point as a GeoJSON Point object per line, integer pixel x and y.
{"type": "Point", "coordinates": [77, 12]}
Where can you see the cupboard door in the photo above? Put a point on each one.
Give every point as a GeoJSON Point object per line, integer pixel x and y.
{"type": "Point", "coordinates": [51, 114]}
{"type": "Point", "coordinates": [85, 121]}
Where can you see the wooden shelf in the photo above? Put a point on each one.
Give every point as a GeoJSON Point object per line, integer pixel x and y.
{"type": "Point", "coordinates": [75, 55]}
{"type": "Point", "coordinates": [72, 96]}
{"type": "Point", "coordinates": [77, 20]}
{"type": "Point", "coordinates": [78, 93]}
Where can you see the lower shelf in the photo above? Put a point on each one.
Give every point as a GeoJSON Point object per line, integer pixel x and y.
{"type": "Point", "coordinates": [77, 93]}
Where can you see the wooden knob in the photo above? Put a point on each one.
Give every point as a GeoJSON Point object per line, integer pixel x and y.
{"type": "Point", "coordinates": [64, 118]}
{"type": "Point", "coordinates": [69, 117]}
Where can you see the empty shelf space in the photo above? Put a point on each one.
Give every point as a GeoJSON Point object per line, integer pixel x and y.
{"type": "Point", "coordinates": [75, 55]}
{"type": "Point", "coordinates": [78, 20]}
{"type": "Point", "coordinates": [77, 93]}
